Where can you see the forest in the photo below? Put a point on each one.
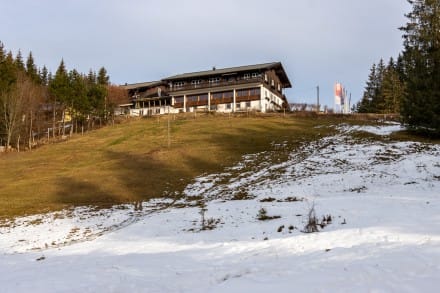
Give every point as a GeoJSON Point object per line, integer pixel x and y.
{"type": "Point", "coordinates": [410, 86]}
{"type": "Point", "coordinates": [37, 106]}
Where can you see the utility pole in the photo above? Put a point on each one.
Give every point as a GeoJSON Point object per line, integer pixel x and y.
{"type": "Point", "coordinates": [317, 97]}
{"type": "Point", "coordinates": [349, 104]}
{"type": "Point", "coordinates": [168, 128]}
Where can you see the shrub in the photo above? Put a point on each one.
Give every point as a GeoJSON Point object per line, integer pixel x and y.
{"type": "Point", "coordinates": [262, 215]}
{"type": "Point", "coordinates": [312, 221]}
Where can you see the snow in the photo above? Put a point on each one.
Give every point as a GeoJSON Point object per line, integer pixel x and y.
{"type": "Point", "coordinates": [383, 197]}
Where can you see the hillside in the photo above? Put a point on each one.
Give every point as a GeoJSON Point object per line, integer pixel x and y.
{"type": "Point", "coordinates": [379, 196]}
{"type": "Point", "coordinates": [132, 162]}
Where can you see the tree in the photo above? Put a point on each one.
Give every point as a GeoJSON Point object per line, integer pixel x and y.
{"type": "Point", "coordinates": [103, 78]}
{"type": "Point", "coordinates": [420, 108]}
{"type": "Point", "coordinates": [378, 102]}
{"type": "Point", "coordinates": [31, 69]}
{"type": "Point", "coordinates": [366, 104]}
{"type": "Point", "coordinates": [392, 89]}
{"type": "Point", "coordinates": [8, 80]}
{"type": "Point", "coordinates": [19, 61]}
{"type": "Point", "coordinates": [59, 91]}
{"type": "Point", "coordinates": [44, 76]}
{"type": "Point", "coordinates": [2, 52]}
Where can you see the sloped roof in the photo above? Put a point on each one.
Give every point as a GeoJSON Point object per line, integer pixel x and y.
{"type": "Point", "coordinates": [142, 84]}
{"type": "Point", "coordinates": [231, 70]}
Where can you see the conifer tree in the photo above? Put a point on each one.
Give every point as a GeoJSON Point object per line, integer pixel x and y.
{"type": "Point", "coordinates": [31, 69]}
{"type": "Point", "coordinates": [19, 61]}
{"type": "Point", "coordinates": [2, 52]}
{"type": "Point", "coordinates": [378, 103]}
{"type": "Point", "coordinates": [420, 108]}
{"type": "Point", "coordinates": [366, 104]}
{"type": "Point", "coordinates": [103, 78]}
{"type": "Point", "coordinates": [59, 86]}
{"type": "Point", "coordinates": [44, 76]}
{"type": "Point", "coordinates": [392, 89]}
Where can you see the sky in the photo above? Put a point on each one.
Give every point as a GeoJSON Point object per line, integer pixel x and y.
{"type": "Point", "coordinates": [319, 42]}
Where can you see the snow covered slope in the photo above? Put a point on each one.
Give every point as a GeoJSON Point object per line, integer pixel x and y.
{"type": "Point", "coordinates": [384, 233]}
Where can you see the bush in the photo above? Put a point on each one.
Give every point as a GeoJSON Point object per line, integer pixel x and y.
{"type": "Point", "coordinates": [262, 215]}
{"type": "Point", "coordinates": [312, 222]}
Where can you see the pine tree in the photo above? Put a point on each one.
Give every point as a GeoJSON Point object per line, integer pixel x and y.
{"type": "Point", "coordinates": [31, 69]}
{"type": "Point", "coordinates": [366, 104]}
{"type": "Point", "coordinates": [420, 108]}
{"type": "Point", "coordinates": [59, 87]}
{"type": "Point", "coordinates": [378, 104]}
{"type": "Point", "coordinates": [392, 89]}
{"type": "Point", "coordinates": [44, 76]}
{"type": "Point", "coordinates": [103, 78]}
{"type": "Point", "coordinates": [2, 52]}
{"type": "Point", "coordinates": [19, 61]}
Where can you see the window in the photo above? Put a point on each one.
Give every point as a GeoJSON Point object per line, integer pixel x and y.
{"type": "Point", "coordinates": [242, 93]}
{"type": "Point", "coordinates": [157, 110]}
{"type": "Point", "coordinates": [196, 82]}
{"type": "Point", "coordinates": [179, 84]}
{"type": "Point", "coordinates": [247, 76]}
{"type": "Point", "coordinates": [254, 92]}
{"type": "Point", "coordinates": [228, 106]}
{"type": "Point", "coordinates": [279, 87]}
{"type": "Point", "coordinates": [256, 75]}
{"type": "Point", "coordinates": [272, 83]}
{"type": "Point", "coordinates": [217, 95]}
{"type": "Point", "coordinates": [203, 97]}
{"type": "Point", "coordinates": [178, 100]}
{"type": "Point", "coordinates": [248, 104]}
{"type": "Point", "coordinates": [213, 107]}
{"type": "Point", "coordinates": [214, 80]}
{"type": "Point", "coordinates": [265, 77]}
{"type": "Point", "coordinates": [237, 105]}
{"type": "Point", "coordinates": [192, 98]}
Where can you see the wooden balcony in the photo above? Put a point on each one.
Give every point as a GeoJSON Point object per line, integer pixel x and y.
{"type": "Point", "coordinates": [247, 98]}
{"type": "Point", "coordinates": [222, 101]}
{"type": "Point", "coordinates": [206, 84]}
{"type": "Point", "coordinates": [196, 103]}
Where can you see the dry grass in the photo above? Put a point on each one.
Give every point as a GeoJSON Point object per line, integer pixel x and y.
{"type": "Point", "coordinates": [132, 162]}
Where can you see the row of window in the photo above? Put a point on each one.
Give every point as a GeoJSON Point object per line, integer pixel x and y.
{"type": "Point", "coordinates": [220, 95]}
{"type": "Point", "coordinates": [214, 80]}
{"type": "Point", "coordinates": [228, 106]}
{"type": "Point", "coordinates": [248, 92]}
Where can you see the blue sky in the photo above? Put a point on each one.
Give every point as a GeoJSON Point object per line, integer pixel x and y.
{"type": "Point", "coordinates": [319, 42]}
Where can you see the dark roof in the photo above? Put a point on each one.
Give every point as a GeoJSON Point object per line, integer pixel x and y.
{"type": "Point", "coordinates": [231, 70]}
{"type": "Point", "coordinates": [142, 84]}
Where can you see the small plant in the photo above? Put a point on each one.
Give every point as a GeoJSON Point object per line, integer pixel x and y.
{"type": "Point", "coordinates": [210, 224]}
{"type": "Point", "coordinates": [280, 229]}
{"type": "Point", "coordinates": [312, 221]}
{"type": "Point", "coordinates": [206, 224]}
{"type": "Point", "coordinates": [262, 215]}
{"type": "Point", "coordinates": [242, 195]}
{"type": "Point", "coordinates": [290, 199]}
{"type": "Point", "coordinates": [267, 199]}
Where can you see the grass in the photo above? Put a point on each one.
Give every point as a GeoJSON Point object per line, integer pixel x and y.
{"type": "Point", "coordinates": [132, 162]}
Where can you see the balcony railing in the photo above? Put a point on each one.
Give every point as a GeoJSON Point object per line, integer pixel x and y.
{"type": "Point", "coordinates": [247, 98]}
{"type": "Point", "coordinates": [221, 101]}
{"type": "Point", "coordinates": [206, 84]}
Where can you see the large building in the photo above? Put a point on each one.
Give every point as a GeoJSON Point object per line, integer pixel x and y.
{"type": "Point", "coordinates": [245, 88]}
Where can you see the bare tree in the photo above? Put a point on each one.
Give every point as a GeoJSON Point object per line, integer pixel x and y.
{"type": "Point", "coordinates": [14, 105]}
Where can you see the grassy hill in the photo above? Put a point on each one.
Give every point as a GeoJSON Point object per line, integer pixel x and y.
{"type": "Point", "coordinates": [131, 161]}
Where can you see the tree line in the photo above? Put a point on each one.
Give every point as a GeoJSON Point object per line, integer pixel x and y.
{"type": "Point", "coordinates": [36, 105]}
{"type": "Point", "coordinates": [410, 86]}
